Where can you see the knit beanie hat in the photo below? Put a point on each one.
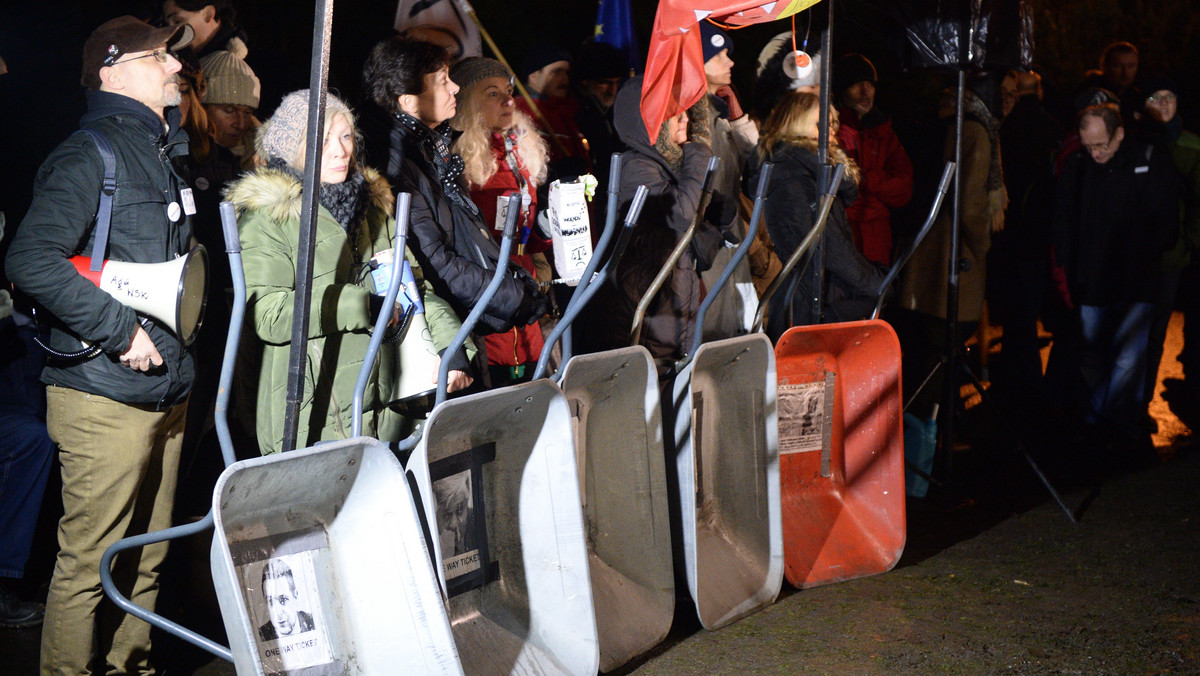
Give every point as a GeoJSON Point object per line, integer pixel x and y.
{"type": "Point", "coordinates": [852, 69]}
{"type": "Point", "coordinates": [541, 55]}
{"type": "Point", "coordinates": [230, 80]}
{"type": "Point", "coordinates": [1157, 83]}
{"type": "Point", "coordinates": [713, 40]}
{"type": "Point", "coordinates": [471, 70]}
{"type": "Point", "coordinates": [283, 135]}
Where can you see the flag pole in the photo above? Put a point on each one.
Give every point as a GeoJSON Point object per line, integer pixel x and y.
{"type": "Point", "coordinates": [465, 6]}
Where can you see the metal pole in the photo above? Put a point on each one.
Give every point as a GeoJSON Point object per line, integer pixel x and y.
{"type": "Point", "coordinates": [950, 353]}
{"type": "Point", "coordinates": [318, 75]}
{"type": "Point", "coordinates": [823, 132]}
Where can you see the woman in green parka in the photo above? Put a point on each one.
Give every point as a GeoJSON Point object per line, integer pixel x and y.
{"type": "Point", "coordinates": [354, 222]}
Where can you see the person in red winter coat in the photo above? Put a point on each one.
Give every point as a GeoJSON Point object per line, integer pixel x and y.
{"type": "Point", "coordinates": [867, 137]}
{"type": "Point", "coordinates": [504, 155]}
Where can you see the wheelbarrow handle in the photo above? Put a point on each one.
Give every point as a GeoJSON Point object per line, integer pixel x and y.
{"type": "Point", "coordinates": [817, 230]}
{"type": "Point", "coordinates": [403, 201]}
{"type": "Point", "coordinates": [233, 248]}
{"type": "Point", "coordinates": [610, 224]}
{"type": "Point", "coordinates": [506, 241]}
{"type": "Point", "coordinates": [760, 200]}
{"type": "Point", "coordinates": [635, 330]}
{"type": "Point", "coordinates": [580, 299]}
{"type": "Point", "coordinates": [898, 265]}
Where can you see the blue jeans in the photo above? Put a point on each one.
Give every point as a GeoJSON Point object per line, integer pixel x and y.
{"type": "Point", "coordinates": [26, 452]}
{"type": "Point", "coordinates": [1113, 360]}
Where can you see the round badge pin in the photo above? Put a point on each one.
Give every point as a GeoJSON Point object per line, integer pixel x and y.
{"type": "Point", "coordinates": [174, 211]}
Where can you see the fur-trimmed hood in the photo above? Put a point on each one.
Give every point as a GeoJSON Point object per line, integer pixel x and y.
{"type": "Point", "coordinates": [278, 193]}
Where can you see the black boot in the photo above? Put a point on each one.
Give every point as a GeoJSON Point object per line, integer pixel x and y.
{"type": "Point", "coordinates": [17, 613]}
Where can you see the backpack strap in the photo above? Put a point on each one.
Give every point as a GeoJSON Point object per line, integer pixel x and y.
{"type": "Point", "coordinates": [104, 213]}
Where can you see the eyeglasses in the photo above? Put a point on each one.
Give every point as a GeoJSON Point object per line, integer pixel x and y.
{"type": "Point", "coordinates": [1098, 147]}
{"type": "Point", "coordinates": [160, 55]}
{"type": "Point", "coordinates": [1165, 98]}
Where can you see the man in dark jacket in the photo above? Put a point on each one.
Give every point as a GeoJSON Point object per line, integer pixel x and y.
{"type": "Point", "coordinates": [866, 135]}
{"type": "Point", "coordinates": [117, 418]}
{"type": "Point", "coordinates": [1115, 213]}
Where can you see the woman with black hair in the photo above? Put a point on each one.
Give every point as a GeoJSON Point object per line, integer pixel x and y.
{"type": "Point", "coordinates": [410, 80]}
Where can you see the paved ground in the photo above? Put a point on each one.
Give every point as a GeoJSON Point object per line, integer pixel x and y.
{"type": "Point", "coordinates": [994, 579]}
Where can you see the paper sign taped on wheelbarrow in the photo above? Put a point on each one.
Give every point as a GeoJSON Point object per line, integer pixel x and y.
{"type": "Point", "coordinates": [279, 585]}
{"type": "Point", "coordinates": [805, 415]}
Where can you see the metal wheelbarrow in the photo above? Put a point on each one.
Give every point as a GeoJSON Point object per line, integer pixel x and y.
{"type": "Point", "coordinates": [499, 490]}
{"type": "Point", "coordinates": [313, 580]}
{"type": "Point", "coordinates": [615, 411]}
{"type": "Point", "coordinates": [721, 446]}
{"type": "Point", "coordinates": [841, 438]}
{"type": "Point", "coordinates": [319, 559]}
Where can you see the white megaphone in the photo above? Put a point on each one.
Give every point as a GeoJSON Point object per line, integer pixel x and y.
{"type": "Point", "coordinates": [172, 292]}
{"type": "Point", "coordinates": [416, 358]}
{"type": "Point", "coordinates": [798, 65]}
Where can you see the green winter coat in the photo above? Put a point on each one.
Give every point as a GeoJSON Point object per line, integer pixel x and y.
{"type": "Point", "coordinates": [269, 204]}
{"type": "Point", "coordinates": [1186, 154]}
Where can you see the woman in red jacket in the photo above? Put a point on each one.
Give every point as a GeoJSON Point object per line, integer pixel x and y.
{"type": "Point", "coordinates": [504, 155]}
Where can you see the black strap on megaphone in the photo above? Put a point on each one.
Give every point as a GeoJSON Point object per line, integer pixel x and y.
{"type": "Point", "coordinates": [100, 243]}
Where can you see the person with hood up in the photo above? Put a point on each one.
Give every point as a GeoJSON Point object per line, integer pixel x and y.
{"type": "Point", "coordinates": [410, 81]}
{"type": "Point", "coordinates": [672, 168]}
{"type": "Point", "coordinates": [789, 140]}
{"type": "Point", "coordinates": [867, 137]}
{"type": "Point", "coordinates": [354, 222]}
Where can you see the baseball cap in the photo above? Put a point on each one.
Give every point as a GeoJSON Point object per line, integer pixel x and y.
{"type": "Point", "coordinates": [123, 35]}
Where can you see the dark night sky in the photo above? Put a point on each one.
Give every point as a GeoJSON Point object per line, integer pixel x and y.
{"type": "Point", "coordinates": [41, 100]}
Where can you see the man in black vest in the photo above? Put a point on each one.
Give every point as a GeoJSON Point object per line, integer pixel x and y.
{"type": "Point", "coordinates": [118, 417]}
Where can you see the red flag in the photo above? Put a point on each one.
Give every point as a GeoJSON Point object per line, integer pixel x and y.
{"type": "Point", "coordinates": [675, 64]}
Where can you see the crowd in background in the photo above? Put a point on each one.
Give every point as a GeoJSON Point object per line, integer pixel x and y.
{"type": "Point", "coordinates": [1078, 219]}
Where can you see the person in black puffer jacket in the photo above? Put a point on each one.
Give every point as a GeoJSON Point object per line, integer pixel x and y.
{"type": "Point", "coordinates": [789, 139]}
{"type": "Point", "coordinates": [410, 80]}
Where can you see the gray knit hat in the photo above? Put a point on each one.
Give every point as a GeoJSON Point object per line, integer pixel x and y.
{"type": "Point", "coordinates": [282, 136]}
{"type": "Point", "coordinates": [230, 80]}
{"type": "Point", "coordinates": [470, 71]}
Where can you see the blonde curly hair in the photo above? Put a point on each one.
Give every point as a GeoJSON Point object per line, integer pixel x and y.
{"type": "Point", "coordinates": [475, 144]}
{"type": "Point", "coordinates": [787, 124]}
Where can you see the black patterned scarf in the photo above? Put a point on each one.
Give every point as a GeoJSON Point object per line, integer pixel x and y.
{"type": "Point", "coordinates": [347, 201]}
{"type": "Point", "coordinates": [448, 166]}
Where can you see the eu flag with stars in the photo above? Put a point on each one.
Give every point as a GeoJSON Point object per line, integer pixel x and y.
{"type": "Point", "coordinates": [614, 25]}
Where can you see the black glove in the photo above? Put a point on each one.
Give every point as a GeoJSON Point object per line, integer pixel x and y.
{"type": "Point", "coordinates": [534, 305]}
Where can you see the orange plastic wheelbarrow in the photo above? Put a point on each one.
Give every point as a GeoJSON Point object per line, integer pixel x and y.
{"type": "Point", "coordinates": [841, 443]}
